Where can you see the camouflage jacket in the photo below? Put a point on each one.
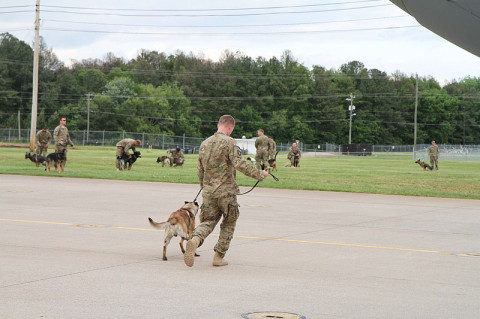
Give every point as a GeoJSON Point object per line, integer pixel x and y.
{"type": "Point", "coordinates": [262, 143]}
{"type": "Point", "coordinates": [61, 136]}
{"type": "Point", "coordinates": [294, 151]}
{"type": "Point", "coordinates": [433, 150]}
{"type": "Point", "coordinates": [44, 137]}
{"type": "Point", "coordinates": [178, 155]}
{"type": "Point", "coordinates": [127, 144]}
{"type": "Point", "coordinates": [218, 160]}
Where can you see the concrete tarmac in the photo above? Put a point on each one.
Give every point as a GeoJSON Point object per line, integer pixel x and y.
{"type": "Point", "coordinates": [83, 248]}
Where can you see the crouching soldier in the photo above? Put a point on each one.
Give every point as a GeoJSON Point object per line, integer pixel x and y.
{"type": "Point", "coordinates": [177, 157]}
{"type": "Point", "coordinates": [123, 148]}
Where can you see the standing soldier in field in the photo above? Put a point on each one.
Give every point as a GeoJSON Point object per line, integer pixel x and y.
{"type": "Point", "coordinates": [123, 148]}
{"type": "Point", "coordinates": [43, 140]}
{"type": "Point", "coordinates": [434, 154]}
{"type": "Point", "coordinates": [218, 160]}
{"type": "Point", "coordinates": [262, 144]}
{"type": "Point", "coordinates": [62, 138]}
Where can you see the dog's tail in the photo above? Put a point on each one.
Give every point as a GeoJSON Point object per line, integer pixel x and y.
{"type": "Point", "coordinates": [158, 225]}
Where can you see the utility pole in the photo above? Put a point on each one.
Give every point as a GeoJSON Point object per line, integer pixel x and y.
{"type": "Point", "coordinates": [351, 108]}
{"type": "Point", "coordinates": [88, 114]}
{"type": "Point", "coordinates": [19, 128]}
{"type": "Point", "coordinates": [415, 119]}
{"type": "Point", "coordinates": [36, 55]}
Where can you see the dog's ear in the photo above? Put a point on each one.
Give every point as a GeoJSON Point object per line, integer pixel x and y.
{"type": "Point", "coordinates": [196, 203]}
{"type": "Point", "coordinates": [186, 202]}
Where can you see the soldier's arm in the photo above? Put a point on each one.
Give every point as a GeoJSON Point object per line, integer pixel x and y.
{"type": "Point", "coordinates": [127, 147]}
{"type": "Point", "coordinates": [68, 139]}
{"type": "Point", "coordinates": [241, 165]}
{"type": "Point", "coordinates": [37, 137]}
{"type": "Point", "coordinates": [49, 138]}
{"type": "Point", "coordinates": [55, 135]}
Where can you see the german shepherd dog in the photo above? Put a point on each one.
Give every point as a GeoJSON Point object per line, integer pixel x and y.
{"type": "Point", "coordinates": [164, 160]}
{"type": "Point", "coordinates": [296, 161]}
{"type": "Point", "coordinates": [424, 165]}
{"type": "Point", "coordinates": [37, 159]}
{"type": "Point", "coordinates": [273, 162]}
{"type": "Point", "coordinates": [180, 223]}
{"type": "Point", "coordinates": [58, 159]}
{"type": "Point", "coordinates": [127, 161]}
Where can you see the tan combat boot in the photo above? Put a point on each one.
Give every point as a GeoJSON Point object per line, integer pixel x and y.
{"type": "Point", "coordinates": [189, 256]}
{"type": "Point", "coordinates": [218, 260]}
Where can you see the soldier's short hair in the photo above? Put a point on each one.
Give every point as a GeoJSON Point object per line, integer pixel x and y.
{"type": "Point", "coordinates": [139, 142]}
{"type": "Point", "coordinates": [226, 120]}
{"type": "Point", "coordinates": [261, 130]}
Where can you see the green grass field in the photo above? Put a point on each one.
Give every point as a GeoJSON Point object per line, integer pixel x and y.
{"type": "Point", "coordinates": [397, 175]}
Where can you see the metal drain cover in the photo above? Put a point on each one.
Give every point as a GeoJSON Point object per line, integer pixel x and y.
{"type": "Point", "coordinates": [271, 315]}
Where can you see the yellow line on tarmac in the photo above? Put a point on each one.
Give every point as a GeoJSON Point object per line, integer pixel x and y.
{"type": "Point", "coordinates": [246, 237]}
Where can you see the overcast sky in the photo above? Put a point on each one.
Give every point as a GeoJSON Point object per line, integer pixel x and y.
{"type": "Point", "coordinates": [327, 33]}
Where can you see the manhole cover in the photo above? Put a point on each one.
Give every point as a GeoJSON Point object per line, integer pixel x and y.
{"type": "Point", "coordinates": [271, 315]}
{"type": "Point", "coordinates": [470, 255]}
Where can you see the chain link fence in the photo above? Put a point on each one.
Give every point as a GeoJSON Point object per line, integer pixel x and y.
{"type": "Point", "coordinates": [191, 145]}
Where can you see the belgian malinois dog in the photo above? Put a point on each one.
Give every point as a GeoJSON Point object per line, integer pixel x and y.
{"type": "Point", "coordinates": [180, 223]}
{"type": "Point", "coordinates": [164, 160]}
{"type": "Point", "coordinates": [424, 165]}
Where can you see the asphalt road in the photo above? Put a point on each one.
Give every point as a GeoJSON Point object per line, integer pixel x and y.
{"type": "Point", "coordinates": [80, 248]}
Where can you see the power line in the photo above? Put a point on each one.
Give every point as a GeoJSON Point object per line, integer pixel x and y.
{"type": "Point", "coordinates": [216, 15]}
{"type": "Point", "coordinates": [213, 9]}
{"type": "Point", "coordinates": [225, 26]}
{"type": "Point", "coordinates": [233, 33]}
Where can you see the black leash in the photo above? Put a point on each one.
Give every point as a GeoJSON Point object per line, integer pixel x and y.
{"type": "Point", "coordinates": [251, 189]}
{"type": "Point", "coordinates": [197, 195]}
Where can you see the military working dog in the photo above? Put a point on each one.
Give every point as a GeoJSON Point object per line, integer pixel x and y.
{"type": "Point", "coordinates": [37, 159]}
{"type": "Point", "coordinates": [164, 160]}
{"type": "Point", "coordinates": [273, 162]}
{"type": "Point", "coordinates": [180, 223]}
{"type": "Point", "coordinates": [58, 159]}
{"type": "Point", "coordinates": [126, 161]}
{"type": "Point", "coordinates": [424, 165]}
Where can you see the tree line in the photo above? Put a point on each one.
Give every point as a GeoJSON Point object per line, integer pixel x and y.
{"type": "Point", "coordinates": [183, 93]}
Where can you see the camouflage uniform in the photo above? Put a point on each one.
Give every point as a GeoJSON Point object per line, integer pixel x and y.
{"type": "Point", "coordinates": [62, 138]}
{"type": "Point", "coordinates": [43, 140]}
{"type": "Point", "coordinates": [433, 153]}
{"type": "Point", "coordinates": [218, 161]}
{"type": "Point", "coordinates": [122, 148]}
{"type": "Point", "coordinates": [291, 154]}
{"type": "Point", "coordinates": [262, 146]}
{"type": "Point", "coordinates": [272, 148]}
{"type": "Point", "coordinates": [178, 157]}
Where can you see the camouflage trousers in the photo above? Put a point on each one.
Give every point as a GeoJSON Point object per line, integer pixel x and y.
{"type": "Point", "coordinates": [120, 151]}
{"type": "Point", "coordinates": [261, 158]}
{"type": "Point", "coordinates": [434, 162]}
{"type": "Point", "coordinates": [42, 149]}
{"type": "Point", "coordinates": [212, 210]}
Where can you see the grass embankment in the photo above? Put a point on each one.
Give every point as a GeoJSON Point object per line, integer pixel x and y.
{"type": "Point", "coordinates": [397, 175]}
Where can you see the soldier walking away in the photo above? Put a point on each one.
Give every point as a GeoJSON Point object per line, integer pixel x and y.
{"type": "Point", "coordinates": [62, 138]}
{"type": "Point", "coordinates": [43, 140]}
{"type": "Point", "coordinates": [123, 148]}
{"type": "Point", "coordinates": [218, 160]}
{"type": "Point", "coordinates": [262, 144]}
{"type": "Point", "coordinates": [434, 154]}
